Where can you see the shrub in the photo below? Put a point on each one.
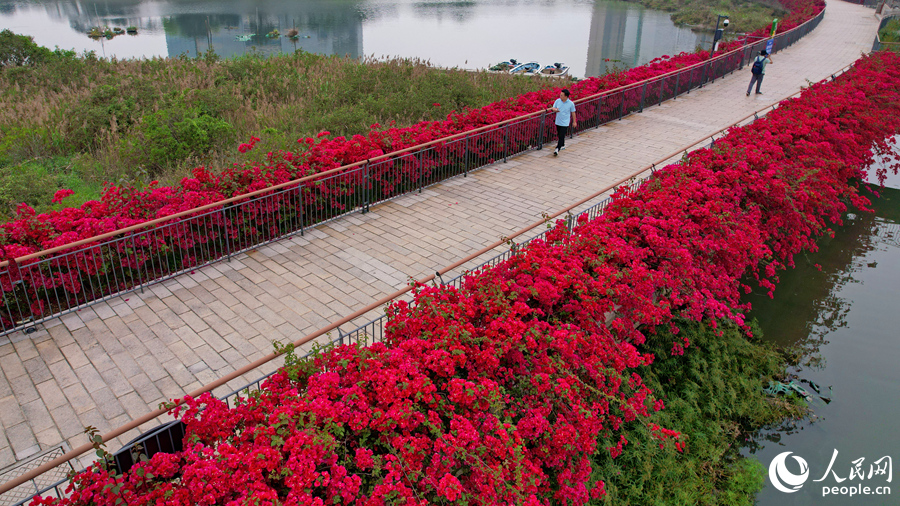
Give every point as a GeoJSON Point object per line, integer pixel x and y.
{"type": "Point", "coordinates": [170, 136]}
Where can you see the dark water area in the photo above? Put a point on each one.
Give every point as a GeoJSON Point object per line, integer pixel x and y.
{"type": "Point", "coordinates": [846, 319]}
{"type": "Point", "coordinates": [590, 36]}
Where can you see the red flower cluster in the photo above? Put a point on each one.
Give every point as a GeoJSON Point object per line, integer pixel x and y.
{"type": "Point", "coordinates": [503, 391]}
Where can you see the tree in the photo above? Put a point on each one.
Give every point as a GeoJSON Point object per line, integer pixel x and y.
{"type": "Point", "coordinates": [20, 50]}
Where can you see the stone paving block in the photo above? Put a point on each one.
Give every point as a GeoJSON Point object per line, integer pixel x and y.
{"type": "Point", "coordinates": [24, 389]}
{"type": "Point", "coordinates": [123, 310]}
{"type": "Point", "coordinates": [94, 418]}
{"type": "Point", "coordinates": [37, 416]}
{"type": "Point", "coordinates": [107, 403]}
{"type": "Point", "coordinates": [117, 382]}
{"type": "Point", "coordinates": [99, 358]}
{"type": "Point", "coordinates": [49, 437]}
{"type": "Point", "coordinates": [147, 314]}
{"type": "Point", "coordinates": [26, 349]}
{"type": "Point", "coordinates": [67, 421]}
{"type": "Point", "coordinates": [189, 337]}
{"type": "Point", "coordinates": [134, 405]}
{"type": "Point", "coordinates": [5, 388]}
{"type": "Point", "coordinates": [213, 336]}
{"type": "Point", "coordinates": [175, 305]}
{"type": "Point", "coordinates": [63, 374]}
{"type": "Point", "coordinates": [12, 366]}
{"type": "Point", "coordinates": [178, 372]}
{"type": "Point", "coordinates": [49, 352]}
{"type": "Point", "coordinates": [7, 457]}
{"type": "Point", "coordinates": [194, 318]}
{"type": "Point", "coordinates": [22, 441]}
{"type": "Point", "coordinates": [52, 395]}
{"type": "Point", "coordinates": [90, 377]}
{"type": "Point", "coordinates": [103, 310]}
{"type": "Point", "coordinates": [10, 412]}
{"type": "Point", "coordinates": [145, 388]}
{"type": "Point", "coordinates": [152, 366]}
{"type": "Point", "coordinates": [37, 370]}
{"type": "Point", "coordinates": [79, 398]}
{"type": "Point", "coordinates": [170, 389]}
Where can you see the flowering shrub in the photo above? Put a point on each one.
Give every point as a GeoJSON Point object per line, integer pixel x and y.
{"type": "Point", "coordinates": [500, 392]}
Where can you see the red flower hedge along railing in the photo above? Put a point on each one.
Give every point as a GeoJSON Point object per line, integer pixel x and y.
{"type": "Point", "coordinates": [505, 390]}
{"type": "Point", "coordinates": [59, 261]}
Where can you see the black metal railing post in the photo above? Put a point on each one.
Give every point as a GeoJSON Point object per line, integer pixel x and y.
{"type": "Point", "coordinates": [541, 125]}
{"type": "Point", "coordinates": [300, 212]}
{"type": "Point", "coordinates": [505, 142]}
{"type": "Point", "coordinates": [225, 232]}
{"type": "Point", "coordinates": [643, 95]}
{"type": "Point", "coordinates": [367, 197]}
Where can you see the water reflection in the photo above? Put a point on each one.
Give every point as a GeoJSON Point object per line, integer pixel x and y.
{"type": "Point", "coordinates": [843, 317]}
{"type": "Point", "coordinates": [589, 35]}
{"type": "Point", "coordinates": [622, 36]}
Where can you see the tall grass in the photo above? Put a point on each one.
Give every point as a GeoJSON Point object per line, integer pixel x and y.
{"type": "Point", "coordinates": [138, 120]}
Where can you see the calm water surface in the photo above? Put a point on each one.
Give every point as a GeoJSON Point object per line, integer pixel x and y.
{"type": "Point", "coordinates": [847, 318]}
{"type": "Point", "coordinates": [467, 34]}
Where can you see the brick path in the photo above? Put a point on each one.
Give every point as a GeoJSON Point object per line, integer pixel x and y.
{"type": "Point", "coordinates": [112, 362]}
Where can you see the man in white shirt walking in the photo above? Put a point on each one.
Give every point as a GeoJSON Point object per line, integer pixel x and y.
{"type": "Point", "coordinates": [565, 114]}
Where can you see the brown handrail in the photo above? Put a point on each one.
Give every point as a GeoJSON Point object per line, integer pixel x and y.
{"type": "Point", "coordinates": [224, 202]}
{"type": "Point", "coordinates": [309, 337]}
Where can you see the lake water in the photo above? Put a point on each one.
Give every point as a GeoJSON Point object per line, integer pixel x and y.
{"type": "Point", "coordinates": [847, 317]}
{"type": "Point", "coordinates": [466, 34]}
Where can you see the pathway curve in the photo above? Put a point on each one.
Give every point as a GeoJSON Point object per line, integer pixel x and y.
{"type": "Point", "coordinates": [112, 362]}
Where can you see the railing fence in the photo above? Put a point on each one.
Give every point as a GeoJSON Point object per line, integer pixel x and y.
{"type": "Point", "coordinates": [43, 287]}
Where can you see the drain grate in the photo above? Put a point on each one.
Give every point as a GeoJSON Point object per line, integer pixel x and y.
{"type": "Point", "coordinates": [54, 480]}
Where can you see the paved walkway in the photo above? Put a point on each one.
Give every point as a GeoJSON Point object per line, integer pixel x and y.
{"type": "Point", "coordinates": [112, 362]}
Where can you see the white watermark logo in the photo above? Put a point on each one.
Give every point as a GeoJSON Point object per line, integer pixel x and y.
{"type": "Point", "coordinates": [784, 480]}
{"type": "Point", "coordinates": [860, 481]}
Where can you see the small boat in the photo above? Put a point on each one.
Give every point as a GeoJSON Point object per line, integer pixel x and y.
{"type": "Point", "coordinates": [503, 66]}
{"type": "Point", "coordinates": [555, 70]}
{"type": "Point", "coordinates": [529, 68]}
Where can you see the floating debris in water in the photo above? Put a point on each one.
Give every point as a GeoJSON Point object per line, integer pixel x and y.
{"type": "Point", "coordinates": [244, 38]}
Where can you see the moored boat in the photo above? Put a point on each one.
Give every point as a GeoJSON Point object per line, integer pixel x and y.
{"type": "Point", "coordinates": [529, 68]}
{"type": "Point", "coordinates": [555, 70]}
{"type": "Point", "coordinates": [503, 66]}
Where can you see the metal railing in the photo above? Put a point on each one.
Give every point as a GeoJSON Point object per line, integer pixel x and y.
{"type": "Point", "coordinates": [167, 437]}
{"type": "Point", "coordinates": [57, 281]}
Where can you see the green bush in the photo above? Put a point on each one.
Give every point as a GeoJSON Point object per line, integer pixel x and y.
{"type": "Point", "coordinates": [89, 122]}
{"type": "Point", "coordinates": [713, 396]}
{"type": "Point", "coordinates": [34, 183]}
{"type": "Point", "coordinates": [171, 136]}
{"type": "Point", "coordinates": [27, 142]}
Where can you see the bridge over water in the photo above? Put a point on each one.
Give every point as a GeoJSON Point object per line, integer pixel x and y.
{"type": "Point", "coordinates": [115, 361]}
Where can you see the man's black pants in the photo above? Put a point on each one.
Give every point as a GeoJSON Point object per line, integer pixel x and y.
{"type": "Point", "coordinates": [561, 136]}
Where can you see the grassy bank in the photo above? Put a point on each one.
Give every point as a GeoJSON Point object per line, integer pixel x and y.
{"type": "Point", "coordinates": [712, 395]}
{"type": "Point", "coordinates": [745, 16]}
{"type": "Point", "coordinates": [75, 122]}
